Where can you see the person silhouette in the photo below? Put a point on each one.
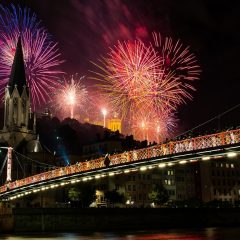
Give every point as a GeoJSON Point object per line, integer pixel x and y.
{"type": "Point", "coordinates": [106, 160]}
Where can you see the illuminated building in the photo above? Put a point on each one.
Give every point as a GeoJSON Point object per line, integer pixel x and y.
{"type": "Point", "coordinates": [115, 124]}
{"type": "Point", "coordinates": [19, 129]}
{"type": "Point", "coordinates": [220, 180]}
{"type": "Point", "coordinates": [19, 122]}
{"type": "Point", "coordinates": [204, 181]}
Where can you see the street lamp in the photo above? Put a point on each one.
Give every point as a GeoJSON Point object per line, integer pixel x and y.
{"type": "Point", "coordinates": [71, 96]}
{"type": "Point", "coordinates": [144, 126]}
{"type": "Point", "coordinates": [143, 130]}
{"type": "Point", "coordinates": [158, 133]}
{"type": "Point", "coordinates": [71, 103]}
{"type": "Point", "coordinates": [104, 112]}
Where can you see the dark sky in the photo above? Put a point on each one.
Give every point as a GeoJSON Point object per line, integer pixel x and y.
{"type": "Point", "coordinates": [85, 29]}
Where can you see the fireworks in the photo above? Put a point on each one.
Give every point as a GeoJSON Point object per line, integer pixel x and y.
{"type": "Point", "coordinates": [147, 85]}
{"type": "Point", "coordinates": [96, 102]}
{"type": "Point", "coordinates": [135, 76]}
{"type": "Point", "coordinates": [70, 95]}
{"type": "Point", "coordinates": [177, 59]}
{"type": "Point", "coordinates": [41, 55]}
{"type": "Point", "coordinates": [128, 75]}
{"type": "Point", "coordinates": [148, 125]}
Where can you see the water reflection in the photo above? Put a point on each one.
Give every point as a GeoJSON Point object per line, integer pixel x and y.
{"type": "Point", "coordinates": [186, 234]}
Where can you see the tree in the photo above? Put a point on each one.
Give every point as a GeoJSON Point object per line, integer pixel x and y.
{"type": "Point", "coordinates": [87, 194]}
{"type": "Point", "coordinates": [106, 134]}
{"type": "Point", "coordinates": [73, 195]}
{"type": "Point", "coordinates": [117, 135]}
{"type": "Point", "coordinates": [113, 196]}
{"type": "Point", "coordinates": [83, 195]}
{"type": "Point", "coordinates": [159, 194]}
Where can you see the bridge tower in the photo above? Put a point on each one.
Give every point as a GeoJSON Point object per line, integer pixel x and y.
{"type": "Point", "coordinates": [9, 165]}
{"type": "Point", "coordinates": [19, 122]}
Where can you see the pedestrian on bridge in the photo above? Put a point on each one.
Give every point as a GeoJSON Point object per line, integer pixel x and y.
{"type": "Point", "coordinates": [106, 160]}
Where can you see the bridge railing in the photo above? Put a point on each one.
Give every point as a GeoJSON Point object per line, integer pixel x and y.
{"type": "Point", "coordinates": [172, 147]}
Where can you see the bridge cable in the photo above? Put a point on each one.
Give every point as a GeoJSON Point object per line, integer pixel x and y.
{"type": "Point", "coordinates": [40, 163]}
{"type": "Point", "coordinates": [202, 124]}
{"type": "Point", "coordinates": [20, 165]}
{"type": "Point", "coordinates": [3, 165]}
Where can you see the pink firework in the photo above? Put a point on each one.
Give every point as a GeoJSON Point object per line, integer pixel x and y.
{"type": "Point", "coordinates": [139, 84]}
{"type": "Point", "coordinates": [41, 55]}
{"type": "Point", "coordinates": [128, 74]}
{"type": "Point", "coordinates": [178, 59]}
{"type": "Point", "coordinates": [150, 126]}
{"type": "Point", "coordinates": [134, 76]}
{"type": "Point", "coordinates": [97, 102]}
{"type": "Point", "coordinates": [70, 98]}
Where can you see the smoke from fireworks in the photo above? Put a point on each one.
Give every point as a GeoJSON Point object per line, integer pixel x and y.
{"type": "Point", "coordinates": [69, 96]}
{"type": "Point", "coordinates": [41, 55]}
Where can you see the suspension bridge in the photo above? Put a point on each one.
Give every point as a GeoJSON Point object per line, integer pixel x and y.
{"type": "Point", "coordinates": [200, 148]}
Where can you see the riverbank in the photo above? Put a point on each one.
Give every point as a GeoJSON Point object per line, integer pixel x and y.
{"type": "Point", "coordinates": [73, 219]}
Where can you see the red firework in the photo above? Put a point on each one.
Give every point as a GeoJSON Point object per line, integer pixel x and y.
{"type": "Point", "coordinates": [177, 59]}
{"type": "Point", "coordinates": [143, 83]}
{"type": "Point", "coordinates": [150, 126]}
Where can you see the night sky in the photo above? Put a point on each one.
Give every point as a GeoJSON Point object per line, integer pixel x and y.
{"type": "Point", "coordinates": [85, 29]}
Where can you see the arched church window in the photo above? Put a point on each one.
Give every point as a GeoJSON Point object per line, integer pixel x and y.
{"type": "Point", "coordinates": [24, 105]}
{"type": "Point", "coordinates": [15, 101]}
{"type": "Point", "coordinates": [7, 113]}
{"type": "Point", "coordinates": [15, 110]}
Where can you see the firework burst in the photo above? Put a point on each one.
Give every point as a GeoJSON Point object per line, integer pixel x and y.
{"type": "Point", "coordinates": [97, 102]}
{"type": "Point", "coordinates": [146, 85]}
{"type": "Point", "coordinates": [133, 76]}
{"type": "Point", "coordinates": [41, 55]}
{"type": "Point", "coordinates": [70, 96]}
{"type": "Point", "coordinates": [149, 125]}
{"type": "Point", "coordinates": [178, 60]}
{"type": "Point", "coordinates": [128, 75]}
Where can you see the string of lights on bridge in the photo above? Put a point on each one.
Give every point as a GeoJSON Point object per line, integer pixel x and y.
{"type": "Point", "coordinates": [98, 176]}
{"type": "Point", "coordinates": [214, 146]}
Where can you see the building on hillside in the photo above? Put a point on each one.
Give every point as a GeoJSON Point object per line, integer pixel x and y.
{"type": "Point", "coordinates": [114, 123]}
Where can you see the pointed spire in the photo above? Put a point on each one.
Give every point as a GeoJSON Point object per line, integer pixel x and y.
{"type": "Point", "coordinates": [18, 77]}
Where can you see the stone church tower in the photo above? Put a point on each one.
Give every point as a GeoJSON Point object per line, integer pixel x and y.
{"type": "Point", "coordinates": [19, 122]}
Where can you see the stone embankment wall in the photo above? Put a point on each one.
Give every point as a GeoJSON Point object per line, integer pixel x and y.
{"type": "Point", "coordinates": [70, 219]}
{"type": "Point", "coordinates": [6, 218]}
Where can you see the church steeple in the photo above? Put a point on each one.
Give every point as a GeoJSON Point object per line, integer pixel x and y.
{"type": "Point", "coordinates": [18, 77]}
{"type": "Point", "coordinates": [19, 123]}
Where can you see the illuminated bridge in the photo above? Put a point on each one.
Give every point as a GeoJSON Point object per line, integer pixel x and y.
{"type": "Point", "coordinates": [174, 152]}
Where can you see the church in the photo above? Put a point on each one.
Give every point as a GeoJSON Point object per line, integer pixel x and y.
{"type": "Point", "coordinates": [19, 122]}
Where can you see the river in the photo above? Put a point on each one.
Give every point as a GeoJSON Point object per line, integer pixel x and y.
{"type": "Point", "coordinates": [174, 234]}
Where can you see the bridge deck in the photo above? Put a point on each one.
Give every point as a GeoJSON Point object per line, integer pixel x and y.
{"type": "Point", "coordinates": [173, 147]}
